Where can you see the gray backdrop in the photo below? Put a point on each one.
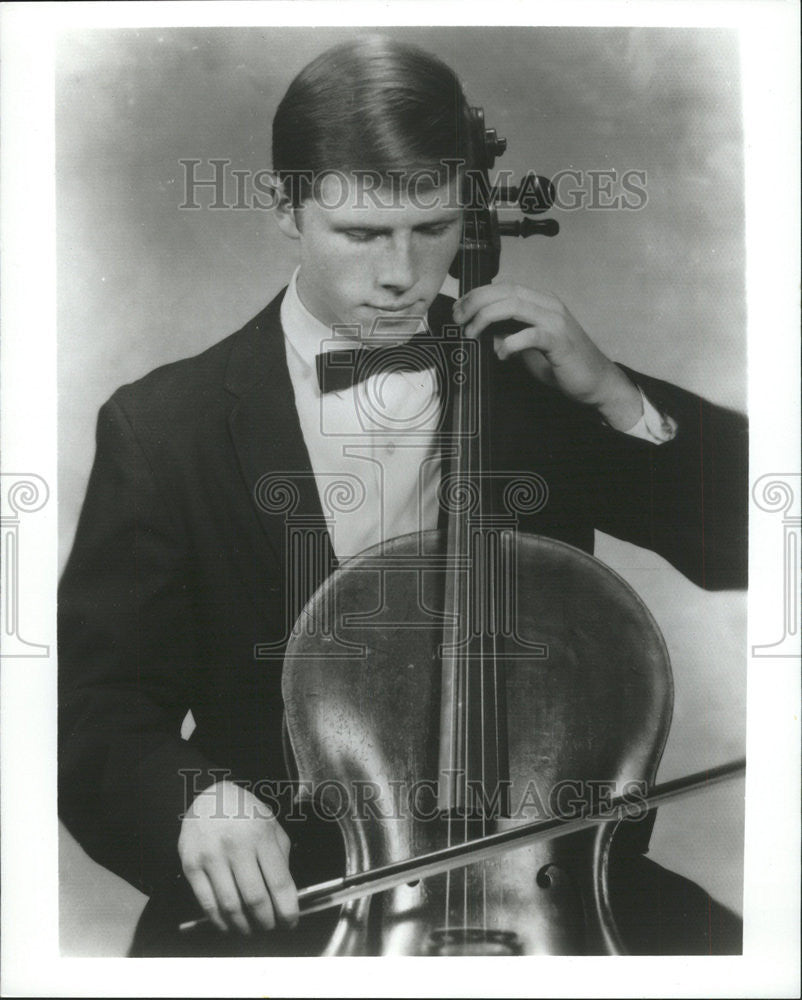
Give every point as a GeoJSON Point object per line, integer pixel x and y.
{"type": "Point", "coordinates": [142, 282]}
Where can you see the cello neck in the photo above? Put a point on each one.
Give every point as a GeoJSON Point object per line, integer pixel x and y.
{"type": "Point", "coordinates": [473, 765]}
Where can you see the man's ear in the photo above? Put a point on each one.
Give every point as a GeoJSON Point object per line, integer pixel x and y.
{"type": "Point", "coordinates": [285, 210]}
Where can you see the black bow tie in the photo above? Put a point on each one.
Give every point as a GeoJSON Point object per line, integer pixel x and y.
{"type": "Point", "coordinates": [339, 370]}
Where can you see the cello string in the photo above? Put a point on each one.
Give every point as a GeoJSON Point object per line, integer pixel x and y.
{"type": "Point", "coordinates": [469, 582]}
{"type": "Point", "coordinates": [477, 584]}
{"type": "Point", "coordinates": [464, 392]}
{"type": "Point", "coordinates": [480, 576]}
{"type": "Point", "coordinates": [481, 605]}
{"type": "Point", "coordinates": [456, 687]}
{"type": "Point", "coordinates": [493, 609]}
{"type": "Point", "coordinates": [482, 583]}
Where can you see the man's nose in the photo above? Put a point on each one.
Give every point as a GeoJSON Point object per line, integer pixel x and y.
{"type": "Point", "coordinates": [397, 265]}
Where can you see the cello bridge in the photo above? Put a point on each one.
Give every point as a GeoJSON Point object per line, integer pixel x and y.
{"type": "Point", "coordinates": [473, 941]}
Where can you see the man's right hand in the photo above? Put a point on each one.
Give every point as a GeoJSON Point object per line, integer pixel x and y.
{"type": "Point", "coordinates": [235, 856]}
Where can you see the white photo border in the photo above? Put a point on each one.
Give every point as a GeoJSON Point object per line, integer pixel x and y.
{"type": "Point", "coordinates": [31, 961]}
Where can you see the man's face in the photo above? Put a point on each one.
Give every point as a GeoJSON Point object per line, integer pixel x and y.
{"type": "Point", "coordinates": [364, 257]}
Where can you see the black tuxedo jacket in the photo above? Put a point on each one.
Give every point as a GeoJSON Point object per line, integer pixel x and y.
{"type": "Point", "coordinates": [176, 573]}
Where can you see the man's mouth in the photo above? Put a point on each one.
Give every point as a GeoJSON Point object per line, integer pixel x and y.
{"type": "Point", "coordinates": [394, 309]}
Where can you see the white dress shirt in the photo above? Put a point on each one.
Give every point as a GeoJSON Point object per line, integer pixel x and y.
{"type": "Point", "coordinates": [372, 446]}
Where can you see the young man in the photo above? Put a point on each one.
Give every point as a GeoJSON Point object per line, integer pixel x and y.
{"type": "Point", "coordinates": [181, 568]}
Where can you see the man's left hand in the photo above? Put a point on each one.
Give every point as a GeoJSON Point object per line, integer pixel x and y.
{"type": "Point", "coordinates": [554, 347]}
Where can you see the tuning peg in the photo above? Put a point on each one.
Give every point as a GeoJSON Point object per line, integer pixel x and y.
{"type": "Point", "coordinates": [529, 227]}
{"type": "Point", "coordinates": [495, 145]}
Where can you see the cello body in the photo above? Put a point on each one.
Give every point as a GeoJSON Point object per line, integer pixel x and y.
{"type": "Point", "coordinates": [588, 692]}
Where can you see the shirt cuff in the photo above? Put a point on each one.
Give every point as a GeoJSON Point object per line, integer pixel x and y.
{"type": "Point", "coordinates": [653, 426]}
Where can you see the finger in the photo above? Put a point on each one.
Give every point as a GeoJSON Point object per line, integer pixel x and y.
{"type": "Point", "coordinates": [535, 360]}
{"type": "Point", "coordinates": [275, 829]}
{"type": "Point", "coordinates": [523, 340]}
{"type": "Point", "coordinates": [283, 893]}
{"type": "Point", "coordinates": [514, 308]}
{"type": "Point", "coordinates": [538, 365]}
{"type": "Point", "coordinates": [467, 307]}
{"type": "Point", "coordinates": [228, 898]}
{"type": "Point", "coordinates": [253, 891]}
{"type": "Point", "coordinates": [284, 841]}
{"type": "Point", "coordinates": [204, 893]}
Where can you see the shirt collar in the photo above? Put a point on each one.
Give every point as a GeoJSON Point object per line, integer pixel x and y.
{"type": "Point", "coordinates": [306, 333]}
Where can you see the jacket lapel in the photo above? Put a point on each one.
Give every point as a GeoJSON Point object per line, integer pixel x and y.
{"type": "Point", "coordinates": [267, 437]}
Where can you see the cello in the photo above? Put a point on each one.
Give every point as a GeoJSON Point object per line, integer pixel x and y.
{"type": "Point", "coordinates": [460, 683]}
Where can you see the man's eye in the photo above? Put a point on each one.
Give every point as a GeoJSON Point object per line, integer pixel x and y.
{"type": "Point", "coordinates": [360, 235]}
{"type": "Point", "coordinates": [437, 230]}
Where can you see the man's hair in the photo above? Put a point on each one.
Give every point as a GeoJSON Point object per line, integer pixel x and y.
{"type": "Point", "coordinates": [374, 104]}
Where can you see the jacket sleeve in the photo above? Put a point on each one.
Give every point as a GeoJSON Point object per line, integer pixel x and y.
{"type": "Point", "coordinates": [125, 668]}
{"type": "Point", "coordinates": [686, 499]}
